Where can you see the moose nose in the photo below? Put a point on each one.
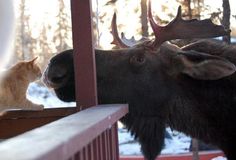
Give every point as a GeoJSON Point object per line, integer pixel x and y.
{"type": "Point", "coordinates": [54, 77]}
{"type": "Point", "coordinates": [57, 77]}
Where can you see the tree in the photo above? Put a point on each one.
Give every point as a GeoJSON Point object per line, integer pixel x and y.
{"type": "Point", "coordinates": [226, 19]}
{"type": "Point", "coordinates": [24, 44]}
{"type": "Point", "coordinates": [192, 8]}
{"type": "Point", "coordinates": [62, 35]}
{"type": "Point", "coordinates": [144, 20]}
{"type": "Point", "coordinates": [44, 48]}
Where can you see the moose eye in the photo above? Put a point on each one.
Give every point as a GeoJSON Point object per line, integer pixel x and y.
{"type": "Point", "coordinates": [137, 60]}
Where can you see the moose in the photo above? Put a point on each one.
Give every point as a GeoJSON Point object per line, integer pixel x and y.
{"type": "Point", "coordinates": [191, 89]}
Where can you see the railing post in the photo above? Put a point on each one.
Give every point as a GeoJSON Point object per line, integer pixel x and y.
{"type": "Point", "coordinates": [84, 57]}
{"type": "Point", "coordinates": [85, 68]}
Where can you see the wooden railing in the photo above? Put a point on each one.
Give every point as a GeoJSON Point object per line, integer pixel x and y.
{"type": "Point", "coordinates": [87, 135]}
{"type": "Point", "coordinates": [15, 122]}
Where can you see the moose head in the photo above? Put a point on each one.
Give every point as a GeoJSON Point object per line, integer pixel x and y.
{"type": "Point", "coordinates": [161, 82]}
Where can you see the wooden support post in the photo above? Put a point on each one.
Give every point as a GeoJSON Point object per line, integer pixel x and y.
{"type": "Point", "coordinates": [85, 68]}
{"type": "Point", "coordinates": [84, 57]}
{"type": "Point", "coordinates": [195, 149]}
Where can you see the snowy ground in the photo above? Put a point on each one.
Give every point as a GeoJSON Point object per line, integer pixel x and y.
{"type": "Point", "coordinates": [178, 144]}
{"type": "Point", "coordinates": [128, 146]}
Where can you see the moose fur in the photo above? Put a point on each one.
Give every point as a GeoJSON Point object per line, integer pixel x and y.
{"type": "Point", "coordinates": [191, 89]}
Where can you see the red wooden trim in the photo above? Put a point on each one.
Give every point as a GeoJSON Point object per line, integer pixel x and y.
{"type": "Point", "coordinates": [63, 138]}
{"type": "Point", "coordinates": [95, 149]}
{"type": "Point", "coordinates": [100, 147]}
{"type": "Point", "coordinates": [84, 57]}
{"type": "Point", "coordinates": [89, 153]}
{"type": "Point", "coordinates": [47, 112]}
{"type": "Point", "coordinates": [115, 134]}
{"type": "Point", "coordinates": [104, 147]}
{"type": "Point", "coordinates": [15, 122]}
{"type": "Point", "coordinates": [188, 156]}
{"type": "Point", "coordinates": [110, 142]}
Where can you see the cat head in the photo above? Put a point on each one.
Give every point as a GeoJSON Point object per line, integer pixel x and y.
{"type": "Point", "coordinates": [34, 71]}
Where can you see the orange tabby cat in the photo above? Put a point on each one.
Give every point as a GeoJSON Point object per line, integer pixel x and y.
{"type": "Point", "coordinates": [14, 83]}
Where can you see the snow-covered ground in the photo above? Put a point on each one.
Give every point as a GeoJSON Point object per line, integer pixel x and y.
{"type": "Point", "coordinates": [128, 146]}
{"type": "Point", "coordinates": [42, 95]}
{"type": "Point", "coordinates": [179, 143]}
{"type": "Point", "coordinates": [219, 158]}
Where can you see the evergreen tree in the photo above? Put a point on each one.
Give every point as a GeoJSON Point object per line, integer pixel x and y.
{"type": "Point", "coordinates": [144, 21]}
{"type": "Point", "coordinates": [24, 43]}
{"type": "Point", "coordinates": [62, 34]}
{"type": "Point", "coordinates": [226, 19]}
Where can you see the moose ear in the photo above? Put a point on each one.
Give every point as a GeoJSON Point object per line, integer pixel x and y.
{"type": "Point", "coordinates": [204, 66]}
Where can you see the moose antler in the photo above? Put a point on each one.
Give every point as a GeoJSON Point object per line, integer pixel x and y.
{"type": "Point", "coordinates": [122, 42]}
{"type": "Point", "coordinates": [183, 29]}
{"type": "Point", "coordinates": [116, 39]}
{"type": "Point", "coordinates": [130, 42]}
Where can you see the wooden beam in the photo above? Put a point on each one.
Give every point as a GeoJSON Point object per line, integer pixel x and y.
{"type": "Point", "coordinates": [63, 138]}
{"type": "Point", "coordinates": [84, 57]}
{"type": "Point", "coordinates": [15, 122]}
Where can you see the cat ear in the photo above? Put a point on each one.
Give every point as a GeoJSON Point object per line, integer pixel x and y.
{"type": "Point", "coordinates": [33, 60]}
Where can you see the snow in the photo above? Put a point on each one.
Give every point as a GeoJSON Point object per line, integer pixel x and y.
{"type": "Point", "coordinates": [128, 146]}
{"type": "Point", "coordinates": [219, 158]}
{"type": "Point", "coordinates": [42, 95]}
{"type": "Point", "coordinates": [178, 143]}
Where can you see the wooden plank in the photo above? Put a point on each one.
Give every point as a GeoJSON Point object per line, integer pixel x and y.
{"type": "Point", "coordinates": [11, 128]}
{"type": "Point", "coordinates": [47, 112]}
{"type": "Point", "coordinates": [15, 122]}
{"type": "Point", "coordinates": [208, 155]}
{"type": "Point", "coordinates": [115, 133]}
{"type": "Point", "coordinates": [95, 148]}
{"type": "Point", "coordinates": [63, 138]}
{"type": "Point", "coordinates": [106, 148]}
{"type": "Point", "coordinates": [84, 57]}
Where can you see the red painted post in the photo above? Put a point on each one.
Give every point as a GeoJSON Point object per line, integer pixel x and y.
{"type": "Point", "coordinates": [84, 57]}
{"type": "Point", "coordinates": [85, 74]}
